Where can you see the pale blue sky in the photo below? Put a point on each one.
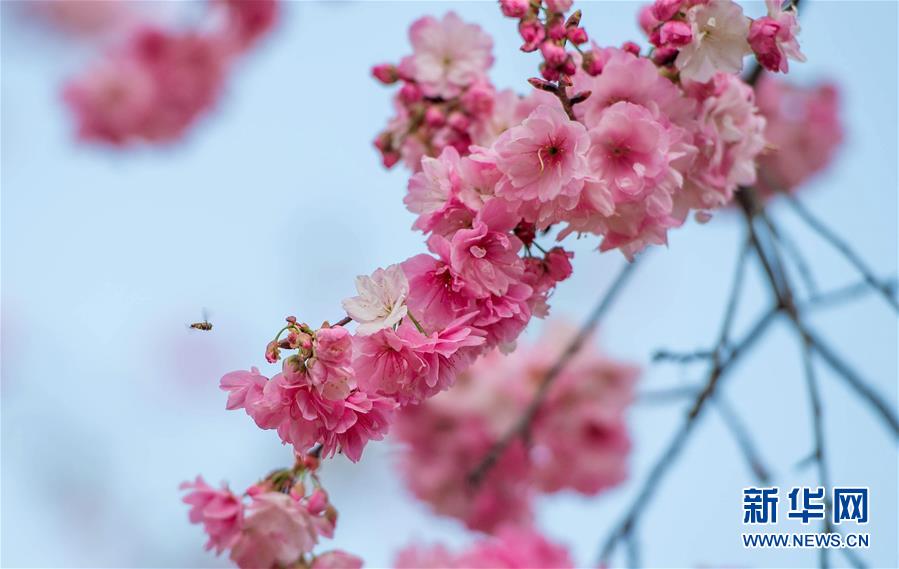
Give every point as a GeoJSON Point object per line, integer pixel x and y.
{"type": "Point", "coordinates": [277, 201]}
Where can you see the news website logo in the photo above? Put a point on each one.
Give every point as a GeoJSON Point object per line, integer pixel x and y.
{"type": "Point", "coordinates": [846, 506]}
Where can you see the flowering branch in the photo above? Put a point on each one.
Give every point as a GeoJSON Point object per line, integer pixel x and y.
{"type": "Point", "coordinates": [522, 427]}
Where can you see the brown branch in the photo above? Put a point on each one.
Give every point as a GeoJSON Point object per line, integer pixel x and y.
{"type": "Point", "coordinates": [523, 425]}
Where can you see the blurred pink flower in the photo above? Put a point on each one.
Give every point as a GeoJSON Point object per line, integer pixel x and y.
{"type": "Point", "coordinates": [220, 512]}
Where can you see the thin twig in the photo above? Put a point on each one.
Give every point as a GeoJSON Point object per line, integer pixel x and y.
{"type": "Point", "coordinates": [843, 247]}
{"type": "Point", "coordinates": [522, 427]}
{"type": "Point", "coordinates": [844, 294]}
{"type": "Point", "coordinates": [790, 248]}
{"type": "Point", "coordinates": [681, 357]}
{"type": "Point", "coordinates": [744, 440]}
{"type": "Point", "coordinates": [666, 395]}
{"type": "Point", "coordinates": [819, 450]}
{"type": "Point", "coordinates": [843, 370]}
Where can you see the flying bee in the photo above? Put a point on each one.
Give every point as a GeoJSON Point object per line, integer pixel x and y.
{"type": "Point", "coordinates": [205, 325]}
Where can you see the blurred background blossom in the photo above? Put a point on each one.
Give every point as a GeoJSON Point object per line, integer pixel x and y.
{"type": "Point", "coordinates": [109, 402]}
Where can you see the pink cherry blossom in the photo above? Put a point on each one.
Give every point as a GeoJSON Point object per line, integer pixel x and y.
{"type": "Point", "coordinates": [719, 41]}
{"type": "Point", "coordinates": [330, 367]}
{"type": "Point", "coordinates": [436, 293]}
{"type": "Point", "coordinates": [630, 154]}
{"type": "Point", "coordinates": [249, 20]}
{"type": "Point", "coordinates": [449, 54]}
{"type": "Point", "coordinates": [486, 255]}
{"type": "Point", "coordinates": [336, 560]}
{"type": "Point", "coordinates": [220, 512]}
{"type": "Point", "coordinates": [626, 77]}
{"type": "Point", "coordinates": [773, 38]}
{"type": "Point", "coordinates": [729, 136]}
{"type": "Point", "coordinates": [381, 302]}
{"type": "Point", "coordinates": [393, 363]}
{"type": "Point", "coordinates": [543, 162]}
{"type": "Point", "coordinates": [510, 548]}
{"type": "Point", "coordinates": [113, 100]}
{"type": "Point", "coordinates": [804, 130]}
{"type": "Point", "coordinates": [277, 530]}
{"type": "Point", "coordinates": [434, 195]}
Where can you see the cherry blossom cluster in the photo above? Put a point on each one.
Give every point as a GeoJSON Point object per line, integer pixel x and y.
{"type": "Point", "coordinates": [445, 98]}
{"type": "Point", "coordinates": [699, 38]}
{"type": "Point", "coordinates": [578, 439]}
{"type": "Point", "coordinates": [626, 155]}
{"type": "Point", "coordinates": [608, 142]}
{"type": "Point", "coordinates": [158, 82]}
{"type": "Point", "coordinates": [803, 129]}
{"type": "Point", "coordinates": [511, 548]}
{"type": "Point", "coordinates": [275, 523]}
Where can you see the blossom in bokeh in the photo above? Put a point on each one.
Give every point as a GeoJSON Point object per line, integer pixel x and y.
{"type": "Point", "coordinates": [803, 132]}
{"type": "Point", "coordinates": [579, 435]}
{"type": "Point", "coordinates": [220, 512]}
{"type": "Point", "coordinates": [511, 548]}
{"type": "Point", "coordinates": [448, 54]}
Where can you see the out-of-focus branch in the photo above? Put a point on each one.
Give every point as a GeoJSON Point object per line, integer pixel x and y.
{"type": "Point", "coordinates": [851, 378]}
{"type": "Point", "coordinates": [818, 451]}
{"type": "Point", "coordinates": [522, 427]}
{"type": "Point", "coordinates": [838, 243]}
{"type": "Point", "coordinates": [844, 294]}
{"type": "Point", "coordinates": [743, 439]}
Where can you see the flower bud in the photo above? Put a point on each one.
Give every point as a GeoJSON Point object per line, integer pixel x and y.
{"type": "Point", "coordinates": [385, 73]}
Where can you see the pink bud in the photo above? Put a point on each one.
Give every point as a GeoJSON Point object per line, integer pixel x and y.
{"type": "Point", "coordinates": [434, 117]}
{"type": "Point", "coordinates": [389, 159]}
{"type": "Point", "coordinates": [458, 121]}
{"type": "Point", "coordinates": [514, 8]}
{"type": "Point", "coordinates": [664, 55]}
{"type": "Point", "coordinates": [410, 93]}
{"type": "Point", "coordinates": [559, 6]}
{"type": "Point", "coordinates": [664, 10]}
{"type": "Point", "coordinates": [553, 53]}
{"type": "Point", "coordinates": [557, 30]}
{"type": "Point", "coordinates": [558, 263]}
{"type": "Point", "coordinates": [647, 20]}
{"type": "Point", "coordinates": [569, 68]}
{"type": "Point", "coordinates": [550, 73]}
{"type": "Point", "coordinates": [631, 47]}
{"type": "Point", "coordinates": [272, 353]}
{"type": "Point", "coordinates": [532, 33]}
{"type": "Point", "coordinates": [676, 33]}
{"type": "Point", "coordinates": [478, 99]}
{"type": "Point", "coordinates": [577, 36]}
{"type": "Point", "coordinates": [318, 501]}
{"type": "Point", "coordinates": [385, 73]}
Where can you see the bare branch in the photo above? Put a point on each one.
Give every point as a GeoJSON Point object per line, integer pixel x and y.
{"type": "Point", "coordinates": [844, 294]}
{"type": "Point", "coordinates": [522, 427]}
{"type": "Point", "coordinates": [887, 291]}
{"type": "Point", "coordinates": [819, 451]}
{"type": "Point", "coordinates": [667, 395]}
{"type": "Point", "coordinates": [744, 440]}
{"type": "Point", "coordinates": [843, 370]}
